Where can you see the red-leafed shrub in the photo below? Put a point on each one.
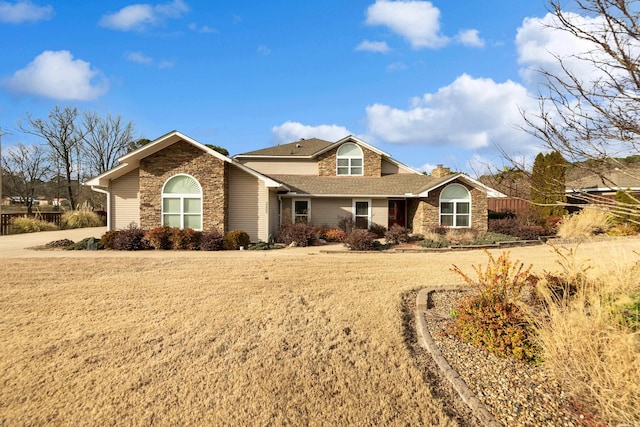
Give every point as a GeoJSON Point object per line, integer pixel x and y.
{"type": "Point", "coordinates": [299, 233]}
{"type": "Point", "coordinates": [211, 241]}
{"type": "Point", "coordinates": [360, 240]}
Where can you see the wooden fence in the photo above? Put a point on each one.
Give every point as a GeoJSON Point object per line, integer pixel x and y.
{"type": "Point", "coordinates": [6, 219]}
{"type": "Point", "coordinates": [516, 206]}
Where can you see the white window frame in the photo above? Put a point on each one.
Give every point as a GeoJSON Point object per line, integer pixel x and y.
{"type": "Point", "coordinates": [293, 210]}
{"type": "Point", "coordinates": [455, 215]}
{"type": "Point", "coordinates": [349, 160]}
{"type": "Point", "coordinates": [368, 201]}
{"type": "Point", "coordinates": [181, 197]}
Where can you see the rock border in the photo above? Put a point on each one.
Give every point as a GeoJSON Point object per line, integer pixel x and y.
{"type": "Point", "coordinates": [426, 341]}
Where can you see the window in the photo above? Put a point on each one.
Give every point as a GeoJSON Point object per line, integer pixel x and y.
{"type": "Point", "coordinates": [349, 160]}
{"type": "Point", "coordinates": [362, 213]}
{"type": "Point", "coordinates": [182, 203]}
{"type": "Point", "coordinates": [455, 206]}
{"type": "Point", "coordinates": [301, 211]}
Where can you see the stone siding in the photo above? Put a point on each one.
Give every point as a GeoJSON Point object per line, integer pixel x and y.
{"type": "Point", "coordinates": [372, 163]}
{"type": "Point", "coordinates": [424, 214]}
{"type": "Point", "coordinates": [184, 158]}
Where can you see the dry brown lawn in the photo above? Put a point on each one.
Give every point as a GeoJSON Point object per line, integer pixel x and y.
{"type": "Point", "coordinates": [289, 337]}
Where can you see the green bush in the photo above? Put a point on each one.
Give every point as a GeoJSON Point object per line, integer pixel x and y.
{"type": "Point", "coordinates": [397, 234]}
{"type": "Point", "coordinates": [89, 244]}
{"type": "Point", "coordinates": [360, 240]}
{"type": "Point", "coordinates": [491, 317]}
{"type": "Point", "coordinates": [233, 240]}
{"type": "Point", "coordinates": [491, 237]}
{"type": "Point", "coordinates": [80, 218]}
{"type": "Point", "coordinates": [211, 241]}
{"type": "Point", "coordinates": [59, 244]}
{"type": "Point", "coordinates": [31, 225]}
{"type": "Point", "coordinates": [435, 243]}
{"type": "Point", "coordinates": [299, 233]}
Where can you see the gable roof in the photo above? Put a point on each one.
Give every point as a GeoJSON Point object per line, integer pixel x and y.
{"type": "Point", "coordinates": [301, 148]}
{"type": "Point", "coordinates": [394, 185]}
{"type": "Point", "coordinates": [314, 147]}
{"type": "Point", "coordinates": [131, 161]}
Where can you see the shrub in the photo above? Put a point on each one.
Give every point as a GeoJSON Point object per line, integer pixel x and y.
{"type": "Point", "coordinates": [360, 240]}
{"type": "Point", "coordinates": [491, 317]}
{"type": "Point", "coordinates": [588, 222]}
{"type": "Point", "coordinates": [31, 225]}
{"type": "Point", "coordinates": [334, 235]}
{"type": "Point", "coordinates": [233, 240]}
{"type": "Point", "coordinates": [519, 228]}
{"type": "Point", "coordinates": [437, 243]}
{"type": "Point", "coordinates": [378, 230]}
{"type": "Point", "coordinates": [299, 233]}
{"type": "Point", "coordinates": [89, 244]}
{"type": "Point", "coordinates": [263, 246]}
{"type": "Point", "coordinates": [589, 338]}
{"type": "Point", "coordinates": [59, 244]}
{"type": "Point", "coordinates": [107, 239]}
{"type": "Point", "coordinates": [80, 218]}
{"type": "Point", "coordinates": [397, 234]}
{"type": "Point", "coordinates": [130, 239]}
{"type": "Point", "coordinates": [211, 241]}
{"type": "Point", "coordinates": [160, 237]}
{"type": "Point", "coordinates": [491, 237]}
{"type": "Point", "coordinates": [461, 236]}
{"type": "Point", "coordinates": [624, 229]}
{"type": "Point", "coordinates": [185, 239]}
{"type": "Point", "coordinates": [346, 224]}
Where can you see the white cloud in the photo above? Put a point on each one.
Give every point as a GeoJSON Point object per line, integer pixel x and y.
{"type": "Point", "coordinates": [396, 66]}
{"type": "Point", "coordinates": [369, 46]}
{"type": "Point", "coordinates": [470, 113]}
{"type": "Point", "coordinates": [24, 11]}
{"type": "Point", "coordinates": [203, 29]}
{"type": "Point", "coordinates": [470, 38]}
{"type": "Point", "coordinates": [416, 21]}
{"type": "Point", "coordinates": [539, 44]}
{"type": "Point", "coordinates": [55, 74]}
{"type": "Point", "coordinates": [139, 58]}
{"type": "Point", "coordinates": [140, 16]}
{"type": "Point", "coordinates": [293, 131]}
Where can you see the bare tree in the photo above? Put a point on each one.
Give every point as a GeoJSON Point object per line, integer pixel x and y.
{"type": "Point", "coordinates": [598, 118]}
{"type": "Point", "coordinates": [64, 137]}
{"type": "Point", "coordinates": [105, 141]}
{"type": "Point", "coordinates": [26, 168]}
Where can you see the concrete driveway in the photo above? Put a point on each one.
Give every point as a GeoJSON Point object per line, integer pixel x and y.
{"type": "Point", "coordinates": [15, 245]}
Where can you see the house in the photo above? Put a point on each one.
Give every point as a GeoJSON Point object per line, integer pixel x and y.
{"type": "Point", "coordinates": [180, 182]}
{"type": "Point", "coordinates": [600, 185]}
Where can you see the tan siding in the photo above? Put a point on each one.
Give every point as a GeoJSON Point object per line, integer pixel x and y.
{"type": "Point", "coordinates": [327, 212]}
{"type": "Point", "coordinates": [125, 200]}
{"type": "Point", "coordinates": [380, 212]}
{"type": "Point", "coordinates": [247, 204]}
{"type": "Point", "coordinates": [390, 168]}
{"type": "Point", "coordinates": [282, 166]}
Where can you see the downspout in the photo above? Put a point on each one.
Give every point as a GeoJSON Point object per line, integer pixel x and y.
{"type": "Point", "coordinates": [100, 190]}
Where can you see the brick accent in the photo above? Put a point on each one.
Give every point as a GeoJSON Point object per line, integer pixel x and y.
{"type": "Point", "coordinates": [423, 214]}
{"type": "Point", "coordinates": [440, 172]}
{"type": "Point", "coordinates": [372, 163]}
{"type": "Point", "coordinates": [182, 157]}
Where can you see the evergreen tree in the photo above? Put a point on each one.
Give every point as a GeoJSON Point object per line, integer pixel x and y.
{"type": "Point", "coordinates": [548, 185]}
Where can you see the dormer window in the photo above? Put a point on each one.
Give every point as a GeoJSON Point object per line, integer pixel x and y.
{"type": "Point", "coordinates": [349, 160]}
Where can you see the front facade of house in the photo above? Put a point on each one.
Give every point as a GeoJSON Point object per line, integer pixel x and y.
{"type": "Point", "coordinates": [177, 181]}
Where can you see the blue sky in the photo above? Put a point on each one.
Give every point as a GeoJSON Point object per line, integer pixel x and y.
{"type": "Point", "coordinates": [430, 83]}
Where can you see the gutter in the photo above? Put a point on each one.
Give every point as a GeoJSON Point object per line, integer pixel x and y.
{"type": "Point", "coordinates": [103, 191]}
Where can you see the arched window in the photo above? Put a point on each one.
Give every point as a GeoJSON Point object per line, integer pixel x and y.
{"type": "Point", "coordinates": [455, 206]}
{"type": "Point", "coordinates": [182, 202]}
{"type": "Point", "coordinates": [349, 160]}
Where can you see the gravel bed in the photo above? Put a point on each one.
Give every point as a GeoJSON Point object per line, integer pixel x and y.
{"type": "Point", "coordinates": [517, 394]}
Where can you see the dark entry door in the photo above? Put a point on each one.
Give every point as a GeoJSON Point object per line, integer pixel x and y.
{"type": "Point", "coordinates": [397, 213]}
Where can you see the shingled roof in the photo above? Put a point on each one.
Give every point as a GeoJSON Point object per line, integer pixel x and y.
{"type": "Point", "coordinates": [388, 185]}
{"type": "Point", "coordinates": [301, 148]}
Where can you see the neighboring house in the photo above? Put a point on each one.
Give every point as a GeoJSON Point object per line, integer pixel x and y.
{"type": "Point", "coordinates": [180, 182]}
{"type": "Point", "coordinates": [585, 186]}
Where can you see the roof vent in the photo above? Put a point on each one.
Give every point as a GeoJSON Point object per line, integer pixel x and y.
{"type": "Point", "coordinates": [298, 145]}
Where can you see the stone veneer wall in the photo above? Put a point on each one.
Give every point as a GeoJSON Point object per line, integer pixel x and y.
{"type": "Point", "coordinates": [372, 163]}
{"type": "Point", "coordinates": [178, 158]}
{"type": "Point", "coordinates": [424, 214]}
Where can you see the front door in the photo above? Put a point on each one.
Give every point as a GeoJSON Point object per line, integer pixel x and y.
{"type": "Point", "coordinates": [397, 213]}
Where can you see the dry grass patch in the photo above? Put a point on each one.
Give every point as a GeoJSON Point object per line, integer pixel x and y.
{"type": "Point", "coordinates": [220, 338]}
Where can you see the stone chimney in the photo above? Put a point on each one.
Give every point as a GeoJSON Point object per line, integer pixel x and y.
{"type": "Point", "coordinates": [440, 172]}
